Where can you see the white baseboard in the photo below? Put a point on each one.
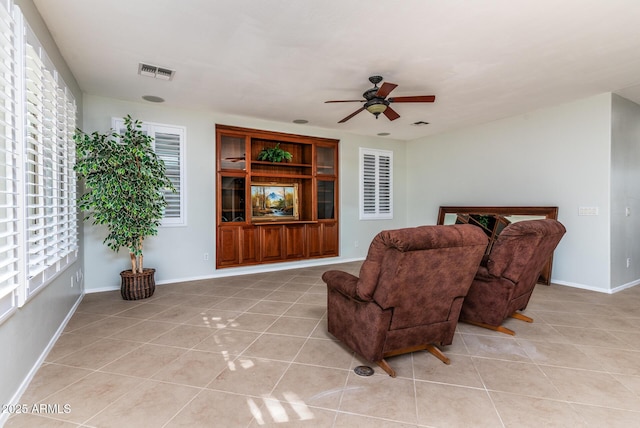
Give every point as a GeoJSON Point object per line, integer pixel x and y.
{"type": "Point", "coordinates": [600, 290]}
{"type": "Point", "coordinates": [247, 270]}
{"type": "Point", "coordinates": [625, 286]}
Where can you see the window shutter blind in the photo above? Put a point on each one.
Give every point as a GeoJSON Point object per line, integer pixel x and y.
{"type": "Point", "coordinates": [37, 150]}
{"type": "Point", "coordinates": [167, 147]}
{"type": "Point", "coordinates": [376, 190]}
{"type": "Point", "coordinates": [65, 130]}
{"type": "Point", "coordinates": [51, 229]}
{"type": "Point", "coordinates": [369, 181]}
{"type": "Point", "coordinates": [168, 144]}
{"type": "Point", "coordinates": [38, 219]}
{"type": "Point", "coordinates": [11, 166]}
{"type": "Point", "coordinates": [384, 184]}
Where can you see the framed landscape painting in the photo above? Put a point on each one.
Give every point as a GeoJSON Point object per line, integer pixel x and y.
{"type": "Point", "coordinates": [274, 201]}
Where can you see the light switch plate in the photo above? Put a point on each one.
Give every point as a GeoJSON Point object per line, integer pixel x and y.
{"type": "Point", "coordinates": [588, 211]}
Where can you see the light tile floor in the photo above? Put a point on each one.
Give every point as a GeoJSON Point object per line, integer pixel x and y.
{"type": "Point", "coordinates": [252, 351]}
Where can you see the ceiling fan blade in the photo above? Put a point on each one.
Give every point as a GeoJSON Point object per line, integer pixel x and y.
{"type": "Point", "coordinates": [416, 99]}
{"type": "Point", "coordinates": [385, 89]}
{"type": "Point", "coordinates": [345, 101]}
{"type": "Point", "coordinates": [391, 113]}
{"type": "Point", "coordinates": [351, 115]}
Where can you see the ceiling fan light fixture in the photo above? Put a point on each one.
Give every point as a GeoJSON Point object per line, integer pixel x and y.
{"type": "Point", "coordinates": [376, 108]}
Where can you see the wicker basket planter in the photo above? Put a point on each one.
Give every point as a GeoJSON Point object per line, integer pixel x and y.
{"type": "Point", "coordinates": [136, 286]}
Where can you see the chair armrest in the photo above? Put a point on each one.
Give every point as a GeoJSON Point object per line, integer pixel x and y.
{"type": "Point", "coordinates": [342, 282]}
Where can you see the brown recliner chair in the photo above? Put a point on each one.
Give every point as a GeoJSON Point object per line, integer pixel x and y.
{"type": "Point", "coordinates": [506, 279]}
{"type": "Point", "coordinates": [409, 293]}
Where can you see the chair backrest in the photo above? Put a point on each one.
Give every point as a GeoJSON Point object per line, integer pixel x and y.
{"type": "Point", "coordinates": [522, 249]}
{"type": "Point", "coordinates": [420, 271]}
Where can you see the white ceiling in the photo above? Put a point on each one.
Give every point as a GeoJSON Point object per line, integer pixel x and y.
{"type": "Point", "coordinates": [281, 59]}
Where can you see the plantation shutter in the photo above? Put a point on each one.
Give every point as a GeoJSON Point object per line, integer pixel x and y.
{"type": "Point", "coordinates": [11, 165]}
{"type": "Point", "coordinates": [168, 144]}
{"type": "Point", "coordinates": [369, 184]}
{"type": "Point", "coordinates": [376, 191]}
{"type": "Point", "coordinates": [384, 184]}
{"type": "Point", "coordinates": [67, 215]}
{"type": "Point", "coordinates": [50, 180]}
{"type": "Point", "coordinates": [168, 148]}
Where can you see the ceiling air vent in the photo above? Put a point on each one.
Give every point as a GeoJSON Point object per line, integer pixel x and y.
{"type": "Point", "coordinates": [155, 71]}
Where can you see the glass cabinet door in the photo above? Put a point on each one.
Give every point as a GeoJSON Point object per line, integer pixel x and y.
{"type": "Point", "coordinates": [233, 199]}
{"type": "Point", "coordinates": [232, 152]}
{"type": "Point", "coordinates": [326, 160]}
{"type": "Point", "coordinates": [326, 199]}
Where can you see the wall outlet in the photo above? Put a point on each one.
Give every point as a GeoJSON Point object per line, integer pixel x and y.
{"type": "Point", "coordinates": [627, 211]}
{"type": "Point", "coordinates": [628, 262]}
{"type": "Point", "coordinates": [77, 278]}
{"type": "Point", "coordinates": [205, 257]}
{"type": "Point", "coordinates": [356, 244]}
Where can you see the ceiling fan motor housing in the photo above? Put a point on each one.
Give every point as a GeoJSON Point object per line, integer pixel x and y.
{"type": "Point", "coordinates": [370, 94]}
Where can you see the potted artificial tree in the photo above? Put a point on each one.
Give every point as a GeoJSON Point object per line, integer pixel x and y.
{"type": "Point", "coordinates": [124, 181]}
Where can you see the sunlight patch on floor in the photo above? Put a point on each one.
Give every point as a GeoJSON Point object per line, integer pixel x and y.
{"type": "Point", "coordinates": [277, 412]}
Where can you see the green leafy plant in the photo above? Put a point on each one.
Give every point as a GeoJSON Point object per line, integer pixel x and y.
{"type": "Point", "coordinates": [274, 154]}
{"type": "Point", "coordinates": [483, 220]}
{"type": "Point", "coordinates": [124, 181]}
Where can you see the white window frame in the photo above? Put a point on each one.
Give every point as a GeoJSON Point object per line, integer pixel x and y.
{"type": "Point", "coordinates": [179, 182]}
{"type": "Point", "coordinates": [38, 212]}
{"type": "Point", "coordinates": [49, 120]}
{"type": "Point", "coordinates": [376, 184]}
{"type": "Point", "coordinates": [11, 179]}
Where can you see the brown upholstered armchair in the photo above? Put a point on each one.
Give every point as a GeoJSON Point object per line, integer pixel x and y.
{"type": "Point", "coordinates": [506, 279]}
{"type": "Point", "coordinates": [409, 293]}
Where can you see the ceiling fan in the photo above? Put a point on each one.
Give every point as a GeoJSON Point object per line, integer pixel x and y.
{"type": "Point", "coordinates": [376, 101]}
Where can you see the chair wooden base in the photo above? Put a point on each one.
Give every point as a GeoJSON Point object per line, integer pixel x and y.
{"type": "Point", "coordinates": [430, 348]}
{"type": "Point", "coordinates": [386, 367]}
{"type": "Point", "coordinates": [501, 329]}
{"type": "Point", "coordinates": [521, 317]}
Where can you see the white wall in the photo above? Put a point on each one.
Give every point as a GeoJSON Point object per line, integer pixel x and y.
{"type": "Point", "coordinates": [558, 156]}
{"type": "Point", "coordinates": [177, 252]}
{"type": "Point", "coordinates": [625, 193]}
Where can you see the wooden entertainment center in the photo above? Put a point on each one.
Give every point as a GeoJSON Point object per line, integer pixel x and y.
{"type": "Point", "coordinates": [269, 212]}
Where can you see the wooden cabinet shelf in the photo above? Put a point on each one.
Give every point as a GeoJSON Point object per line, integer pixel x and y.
{"type": "Point", "coordinates": [260, 168]}
{"type": "Point", "coordinates": [280, 176]}
{"type": "Point", "coordinates": [271, 212]}
{"type": "Point", "coordinates": [282, 164]}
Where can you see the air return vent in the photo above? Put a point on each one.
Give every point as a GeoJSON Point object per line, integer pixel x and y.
{"type": "Point", "coordinates": [155, 71]}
